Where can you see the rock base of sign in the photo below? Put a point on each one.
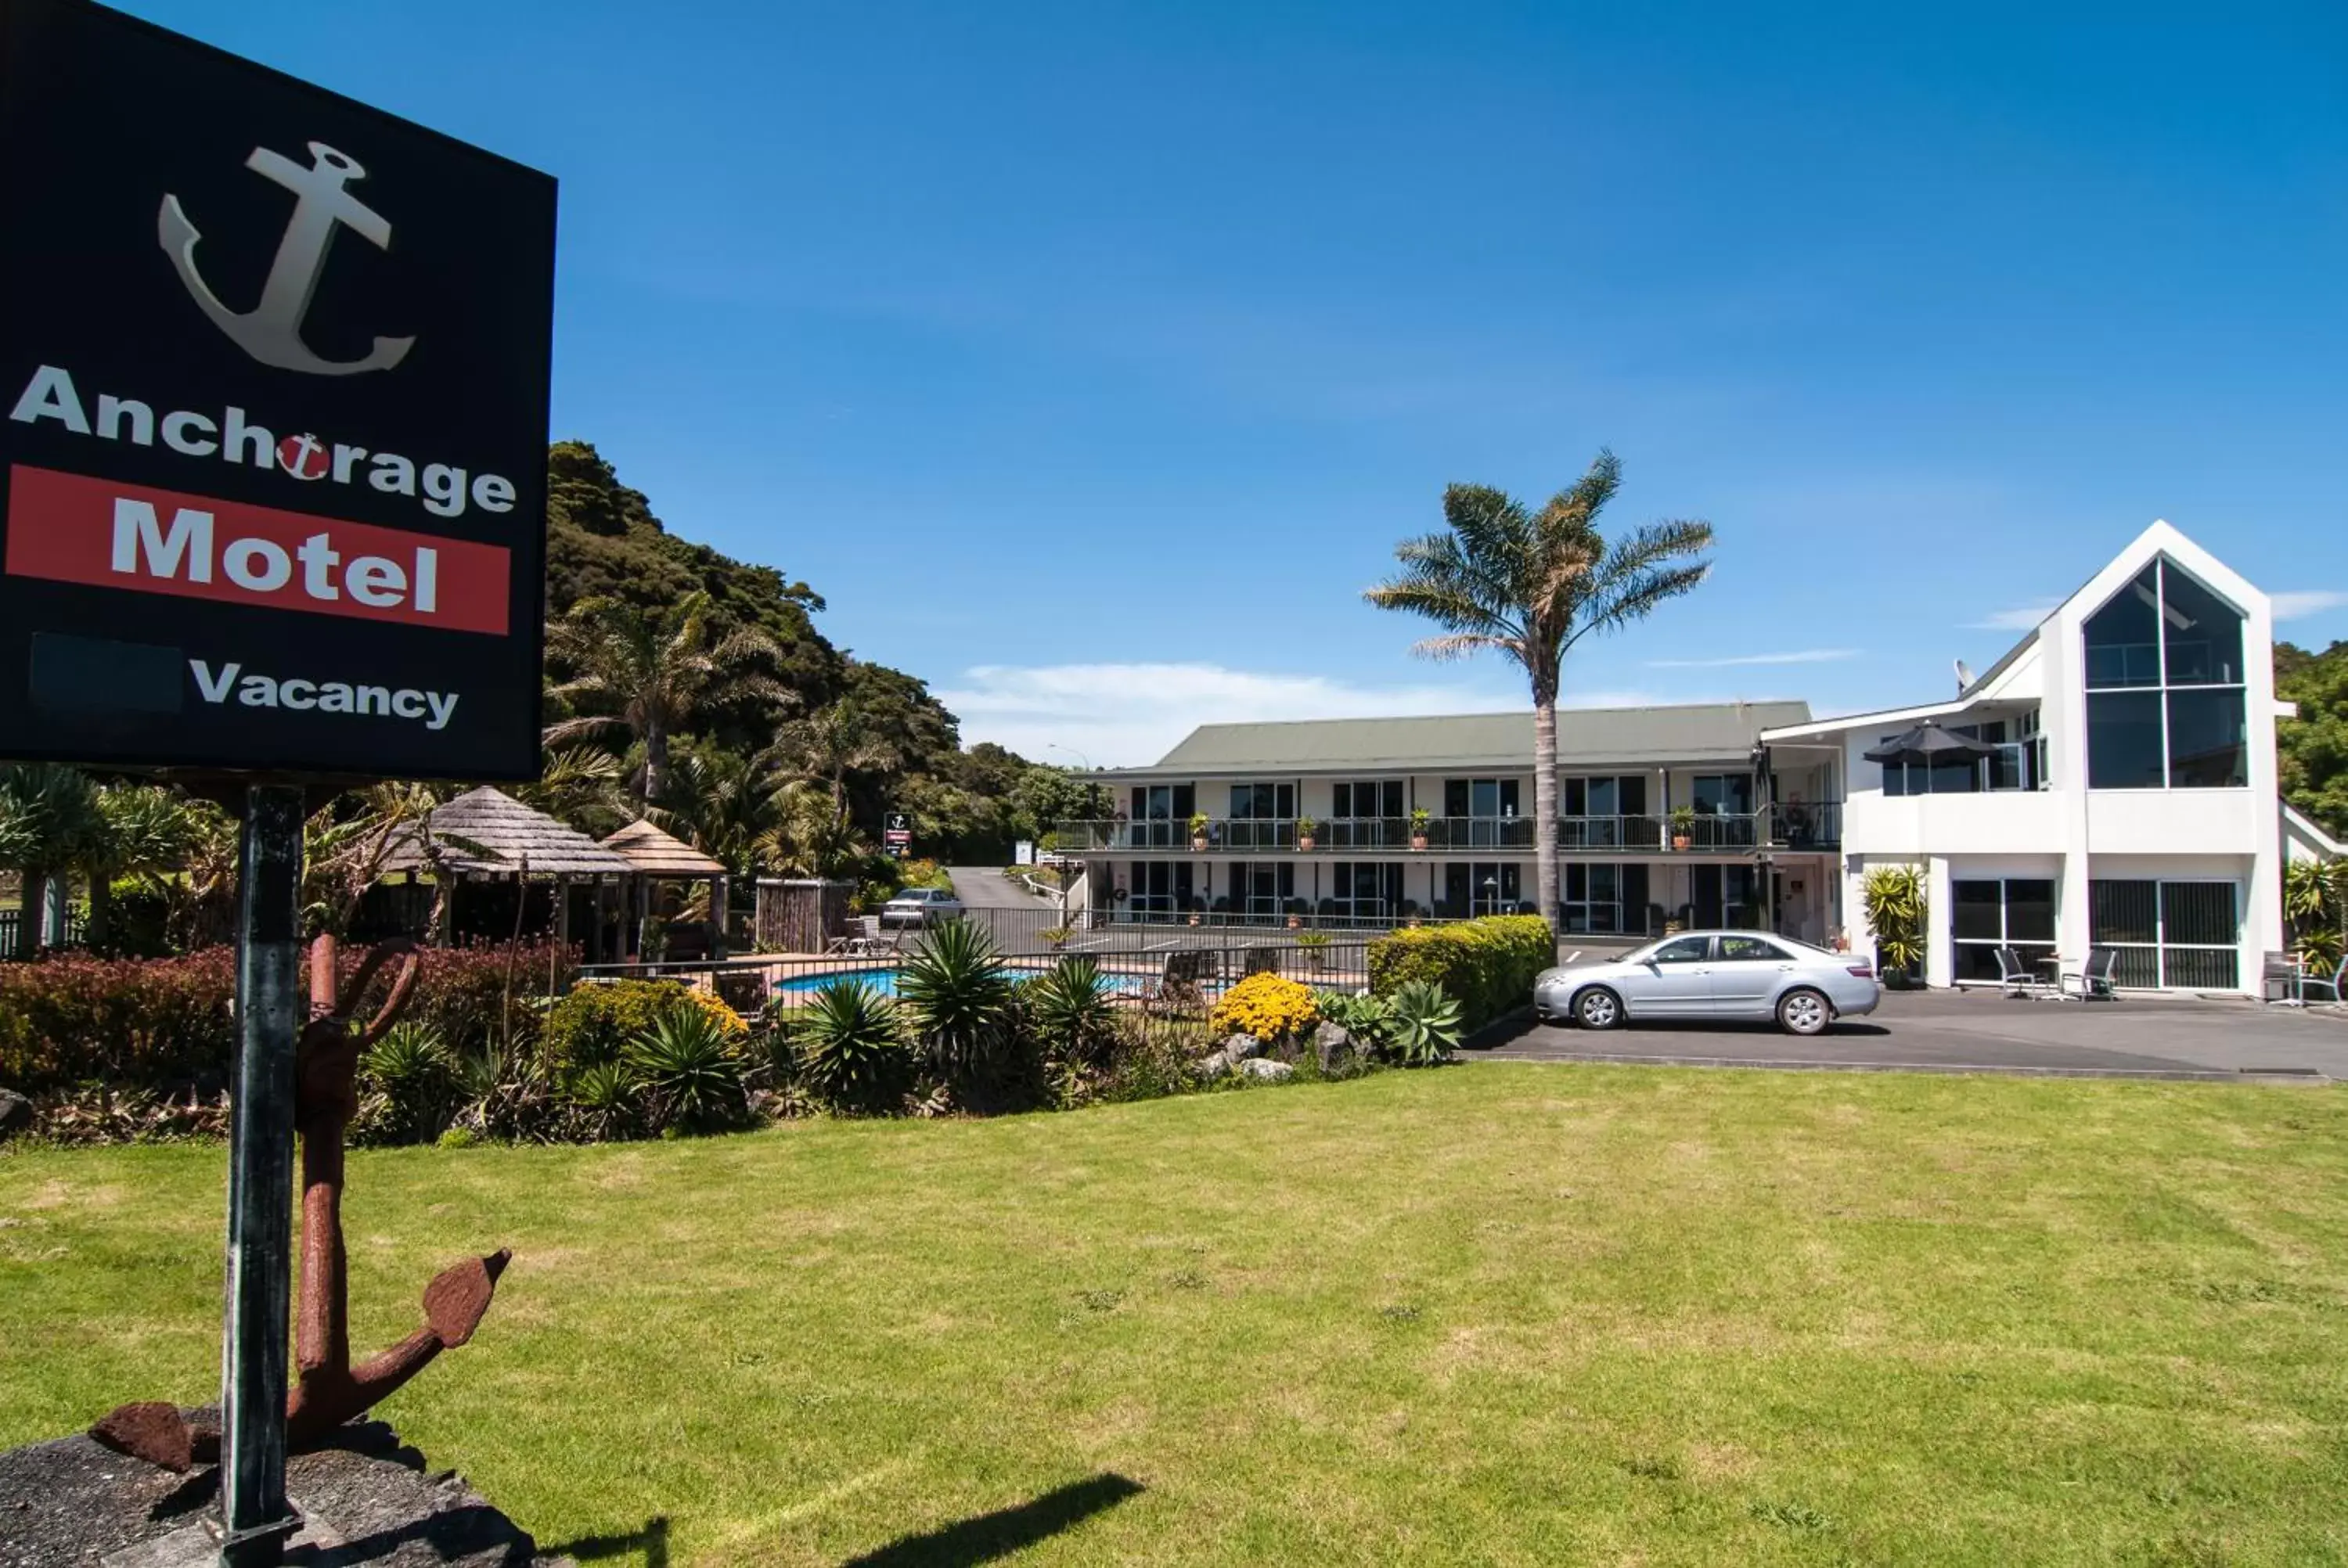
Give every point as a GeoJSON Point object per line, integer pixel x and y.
{"type": "Point", "coordinates": [364, 1498]}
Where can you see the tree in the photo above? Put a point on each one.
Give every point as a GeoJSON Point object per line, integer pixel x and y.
{"type": "Point", "coordinates": [1531, 585]}
{"type": "Point", "coordinates": [2313, 749]}
{"type": "Point", "coordinates": [49, 819]}
{"type": "Point", "coordinates": [827, 747]}
{"type": "Point", "coordinates": [655, 670]}
{"type": "Point", "coordinates": [719, 801]}
{"type": "Point", "coordinates": [143, 830]}
{"type": "Point", "coordinates": [810, 836]}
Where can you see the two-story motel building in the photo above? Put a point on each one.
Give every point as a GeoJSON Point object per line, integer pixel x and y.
{"type": "Point", "coordinates": [2129, 801]}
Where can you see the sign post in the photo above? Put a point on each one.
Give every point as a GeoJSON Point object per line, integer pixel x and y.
{"type": "Point", "coordinates": [273, 371]}
{"type": "Point", "coordinates": [256, 1519]}
{"type": "Point", "coordinates": [897, 836]}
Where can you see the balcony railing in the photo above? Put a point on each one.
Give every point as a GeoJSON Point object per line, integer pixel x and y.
{"type": "Point", "coordinates": [1784, 827]}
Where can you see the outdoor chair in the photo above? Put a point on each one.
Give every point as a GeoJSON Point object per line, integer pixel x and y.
{"type": "Point", "coordinates": [2016, 979]}
{"type": "Point", "coordinates": [2094, 980]}
{"type": "Point", "coordinates": [1180, 989]}
{"type": "Point", "coordinates": [1261, 961]}
{"type": "Point", "coordinates": [2339, 973]}
{"type": "Point", "coordinates": [2281, 980]}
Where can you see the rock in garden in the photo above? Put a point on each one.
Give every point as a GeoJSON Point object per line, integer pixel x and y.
{"type": "Point", "coordinates": [1211, 1065]}
{"type": "Point", "coordinates": [1333, 1047]}
{"type": "Point", "coordinates": [15, 1113]}
{"type": "Point", "coordinates": [1240, 1047]}
{"type": "Point", "coordinates": [1267, 1071]}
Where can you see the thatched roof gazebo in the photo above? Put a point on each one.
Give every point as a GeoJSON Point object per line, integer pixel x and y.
{"type": "Point", "coordinates": [658, 856]}
{"type": "Point", "coordinates": [487, 836]}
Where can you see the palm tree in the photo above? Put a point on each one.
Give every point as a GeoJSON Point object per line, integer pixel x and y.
{"type": "Point", "coordinates": [48, 820]}
{"type": "Point", "coordinates": [827, 745]}
{"type": "Point", "coordinates": [143, 830]}
{"type": "Point", "coordinates": [720, 802]}
{"type": "Point", "coordinates": [1531, 585]}
{"type": "Point", "coordinates": [811, 837]}
{"type": "Point", "coordinates": [654, 671]}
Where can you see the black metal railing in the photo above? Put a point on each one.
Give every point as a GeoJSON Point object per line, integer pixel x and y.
{"type": "Point", "coordinates": [1786, 825]}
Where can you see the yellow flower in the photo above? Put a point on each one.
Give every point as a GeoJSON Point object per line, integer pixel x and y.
{"type": "Point", "coordinates": [1265, 1006]}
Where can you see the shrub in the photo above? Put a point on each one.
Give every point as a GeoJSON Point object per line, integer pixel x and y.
{"type": "Point", "coordinates": [152, 1022]}
{"type": "Point", "coordinates": [1423, 1023]}
{"type": "Point", "coordinates": [849, 1051]}
{"type": "Point", "coordinates": [1265, 1006]}
{"type": "Point", "coordinates": [607, 1100]}
{"type": "Point", "coordinates": [957, 999]}
{"type": "Point", "coordinates": [408, 1086]}
{"type": "Point", "coordinates": [1072, 1012]}
{"type": "Point", "coordinates": [1897, 911]}
{"type": "Point", "coordinates": [1488, 965]}
{"type": "Point", "coordinates": [689, 1067]}
{"type": "Point", "coordinates": [1368, 1018]}
{"type": "Point", "coordinates": [484, 992]}
{"type": "Point", "coordinates": [594, 1023]}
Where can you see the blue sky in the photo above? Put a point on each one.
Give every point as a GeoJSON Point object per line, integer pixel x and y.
{"type": "Point", "coordinates": [1049, 341]}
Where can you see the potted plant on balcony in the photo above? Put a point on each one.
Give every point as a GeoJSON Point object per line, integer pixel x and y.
{"type": "Point", "coordinates": [1419, 818]}
{"type": "Point", "coordinates": [1305, 828]}
{"type": "Point", "coordinates": [1294, 908]}
{"type": "Point", "coordinates": [1199, 830]}
{"type": "Point", "coordinates": [1683, 826]}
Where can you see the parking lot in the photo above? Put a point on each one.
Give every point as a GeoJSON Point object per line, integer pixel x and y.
{"type": "Point", "coordinates": [1981, 1031]}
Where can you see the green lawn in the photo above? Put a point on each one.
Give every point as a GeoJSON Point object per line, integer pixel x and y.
{"type": "Point", "coordinates": [1504, 1314]}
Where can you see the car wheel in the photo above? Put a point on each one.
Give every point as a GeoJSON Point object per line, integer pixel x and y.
{"type": "Point", "coordinates": [1598, 1007]}
{"type": "Point", "coordinates": [1804, 1012]}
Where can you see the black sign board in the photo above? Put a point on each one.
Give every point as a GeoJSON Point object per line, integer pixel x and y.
{"type": "Point", "coordinates": [272, 418]}
{"type": "Point", "coordinates": [897, 836]}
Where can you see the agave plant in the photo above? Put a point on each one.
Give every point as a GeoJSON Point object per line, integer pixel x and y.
{"type": "Point", "coordinates": [1368, 1018]}
{"type": "Point", "coordinates": [412, 1068]}
{"type": "Point", "coordinates": [607, 1097]}
{"type": "Point", "coordinates": [1072, 1011]}
{"type": "Point", "coordinates": [960, 1001]}
{"type": "Point", "coordinates": [849, 1048]}
{"type": "Point", "coordinates": [1424, 1026]}
{"type": "Point", "coordinates": [687, 1066]}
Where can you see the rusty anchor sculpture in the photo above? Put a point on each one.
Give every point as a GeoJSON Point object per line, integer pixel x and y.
{"type": "Point", "coordinates": [328, 1390]}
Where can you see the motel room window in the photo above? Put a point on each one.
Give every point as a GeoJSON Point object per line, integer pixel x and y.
{"type": "Point", "coordinates": [1990, 913]}
{"type": "Point", "coordinates": [2183, 934]}
{"type": "Point", "coordinates": [1364, 890]}
{"type": "Point", "coordinates": [1593, 812]}
{"type": "Point", "coordinates": [1367, 812]}
{"type": "Point", "coordinates": [1262, 816]}
{"type": "Point", "coordinates": [2167, 707]}
{"type": "Point", "coordinates": [1603, 899]}
{"type": "Point", "coordinates": [1485, 810]}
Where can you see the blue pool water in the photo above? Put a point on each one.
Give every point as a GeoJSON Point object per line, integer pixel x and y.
{"type": "Point", "coordinates": [883, 979]}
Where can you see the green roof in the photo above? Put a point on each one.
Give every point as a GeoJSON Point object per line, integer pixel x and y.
{"type": "Point", "coordinates": [1696, 733]}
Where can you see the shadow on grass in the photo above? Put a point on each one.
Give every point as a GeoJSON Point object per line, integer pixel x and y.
{"type": "Point", "coordinates": [1007, 1529]}
{"type": "Point", "coordinates": [652, 1542]}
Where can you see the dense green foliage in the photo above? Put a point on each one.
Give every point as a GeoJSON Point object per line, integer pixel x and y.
{"type": "Point", "coordinates": [594, 1024]}
{"type": "Point", "coordinates": [1424, 1026]}
{"type": "Point", "coordinates": [1487, 965]}
{"type": "Point", "coordinates": [2313, 749]}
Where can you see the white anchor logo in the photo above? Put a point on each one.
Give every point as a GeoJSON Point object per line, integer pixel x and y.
{"type": "Point", "coordinates": [272, 331]}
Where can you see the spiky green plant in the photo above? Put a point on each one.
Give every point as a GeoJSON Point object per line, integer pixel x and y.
{"type": "Point", "coordinates": [416, 1072]}
{"type": "Point", "coordinates": [957, 998]}
{"type": "Point", "coordinates": [1423, 1023]}
{"type": "Point", "coordinates": [850, 1049]}
{"type": "Point", "coordinates": [1898, 908]}
{"type": "Point", "coordinates": [688, 1068]}
{"type": "Point", "coordinates": [1072, 1010]}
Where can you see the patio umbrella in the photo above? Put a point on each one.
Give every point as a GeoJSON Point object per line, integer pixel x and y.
{"type": "Point", "coordinates": [1928, 746]}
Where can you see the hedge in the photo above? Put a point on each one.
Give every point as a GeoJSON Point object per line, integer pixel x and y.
{"type": "Point", "coordinates": [1488, 965]}
{"type": "Point", "coordinates": [163, 1024]}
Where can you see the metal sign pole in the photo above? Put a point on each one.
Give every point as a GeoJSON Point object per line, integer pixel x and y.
{"type": "Point", "coordinates": [270, 1008]}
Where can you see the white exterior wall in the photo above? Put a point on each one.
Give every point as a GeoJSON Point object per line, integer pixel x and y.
{"type": "Point", "coordinates": [2068, 830]}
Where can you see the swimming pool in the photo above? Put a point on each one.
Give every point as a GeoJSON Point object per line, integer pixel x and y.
{"type": "Point", "coordinates": [883, 979]}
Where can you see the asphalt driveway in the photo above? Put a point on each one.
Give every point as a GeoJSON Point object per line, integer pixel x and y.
{"type": "Point", "coordinates": [1979, 1032]}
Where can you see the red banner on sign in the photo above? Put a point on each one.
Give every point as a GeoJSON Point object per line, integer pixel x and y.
{"type": "Point", "coordinates": [68, 528]}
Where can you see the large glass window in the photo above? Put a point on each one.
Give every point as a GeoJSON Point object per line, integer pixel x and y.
{"type": "Point", "coordinates": [1484, 812]}
{"type": "Point", "coordinates": [1604, 813]}
{"type": "Point", "coordinates": [1363, 890]}
{"type": "Point", "coordinates": [1264, 816]}
{"type": "Point", "coordinates": [2166, 705]}
{"type": "Point", "coordinates": [2183, 934]}
{"type": "Point", "coordinates": [1594, 897]}
{"type": "Point", "coordinates": [1990, 913]}
{"type": "Point", "coordinates": [1161, 815]}
{"type": "Point", "coordinates": [1366, 812]}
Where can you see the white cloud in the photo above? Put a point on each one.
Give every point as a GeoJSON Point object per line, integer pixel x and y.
{"type": "Point", "coordinates": [2021, 618]}
{"type": "Point", "coordinates": [1123, 715]}
{"type": "Point", "coordinates": [1799, 656]}
{"type": "Point", "coordinates": [2295, 604]}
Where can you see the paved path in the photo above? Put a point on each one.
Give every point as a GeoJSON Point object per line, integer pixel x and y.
{"type": "Point", "coordinates": [987, 887]}
{"type": "Point", "coordinates": [1956, 1031]}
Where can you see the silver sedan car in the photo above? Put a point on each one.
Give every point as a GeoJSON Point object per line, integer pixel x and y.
{"type": "Point", "coordinates": [1712, 975]}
